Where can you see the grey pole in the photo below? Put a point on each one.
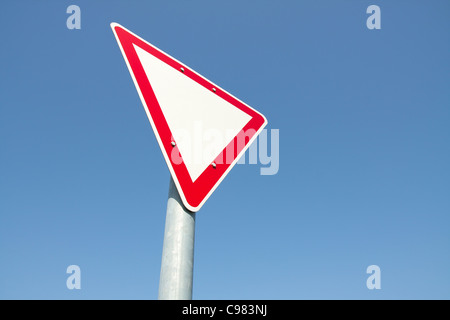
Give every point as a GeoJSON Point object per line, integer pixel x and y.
{"type": "Point", "coordinates": [177, 264]}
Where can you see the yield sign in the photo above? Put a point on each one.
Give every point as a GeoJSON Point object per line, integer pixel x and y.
{"type": "Point", "coordinates": [202, 130]}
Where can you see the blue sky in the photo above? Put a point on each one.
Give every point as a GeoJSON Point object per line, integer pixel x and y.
{"type": "Point", "coordinates": [363, 117]}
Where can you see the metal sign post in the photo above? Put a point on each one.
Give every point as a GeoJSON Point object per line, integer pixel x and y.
{"type": "Point", "coordinates": [178, 102]}
{"type": "Point", "coordinates": [177, 264]}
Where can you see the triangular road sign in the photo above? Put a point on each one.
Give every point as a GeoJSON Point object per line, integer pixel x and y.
{"type": "Point", "coordinates": [202, 130]}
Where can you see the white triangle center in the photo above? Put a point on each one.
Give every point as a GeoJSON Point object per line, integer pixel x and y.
{"type": "Point", "coordinates": [202, 124]}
